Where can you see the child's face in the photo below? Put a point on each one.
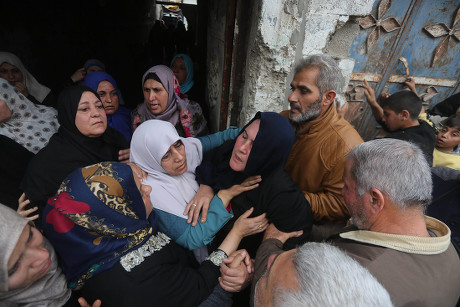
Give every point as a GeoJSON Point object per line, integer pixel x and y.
{"type": "Point", "coordinates": [448, 138]}
{"type": "Point", "coordinates": [391, 119]}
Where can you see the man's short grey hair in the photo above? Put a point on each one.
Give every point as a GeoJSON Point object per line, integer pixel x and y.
{"type": "Point", "coordinates": [329, 75]}
{"type": "Point", "coordinates": [395, 167]}
{"type": "Point", "coordinates": [326, 276]}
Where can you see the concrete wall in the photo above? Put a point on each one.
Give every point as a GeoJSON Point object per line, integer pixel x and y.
{"type": "Point", "coordinates": [284, 32]}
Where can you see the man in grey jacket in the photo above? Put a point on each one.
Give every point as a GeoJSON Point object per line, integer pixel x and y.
{"type": "Point", "coordinates": [387, 186]}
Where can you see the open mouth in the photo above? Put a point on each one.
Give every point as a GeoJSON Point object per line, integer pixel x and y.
{"type": "Point", "coordinates": [237, 158]}
{"type": "Point", "coordinates": [295, 108]}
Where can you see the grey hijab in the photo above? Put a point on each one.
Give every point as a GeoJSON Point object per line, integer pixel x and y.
{"type": "Point", "coordinates": [171, 113]}
{"type": "Point", "coordinates": [50, 290]}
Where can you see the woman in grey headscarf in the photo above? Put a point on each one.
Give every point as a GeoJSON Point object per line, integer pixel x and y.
{"type": "Point", "coordinates": [164, 101]}
{"type": "Point", "coordinates": [29, 271]}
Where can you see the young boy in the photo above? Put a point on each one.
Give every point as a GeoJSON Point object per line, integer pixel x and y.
{"type": "Point", "coordinates": [400, 115]}
{"type": "Point", "coordinates": [447, 141]}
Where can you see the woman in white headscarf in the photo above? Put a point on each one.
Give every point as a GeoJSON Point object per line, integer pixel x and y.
{"type": "Point", "coordinates": [170, 162]}
{"type": "Point", "coordinates": [12, 69]}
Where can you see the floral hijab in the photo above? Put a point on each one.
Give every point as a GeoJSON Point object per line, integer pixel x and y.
{"type": "Point", "coordinates": [97, 216]}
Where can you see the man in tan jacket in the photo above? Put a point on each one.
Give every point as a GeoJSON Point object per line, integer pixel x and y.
{"type": "Point", "coordinates": [323, 137]}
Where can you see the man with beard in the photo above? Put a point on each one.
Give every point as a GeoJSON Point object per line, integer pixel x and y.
{"type": "Point", "coordinates": [323, 137]}
{"type": "Point", "coordinates": [387, 187]}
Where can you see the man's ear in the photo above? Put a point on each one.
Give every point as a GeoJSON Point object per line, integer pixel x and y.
{"type": "Point", "coordinates": [328, 98]}
{"type": "Point", "coordinates": [377, 200]}
{"type": "Point", "coordinates": [404, 114]}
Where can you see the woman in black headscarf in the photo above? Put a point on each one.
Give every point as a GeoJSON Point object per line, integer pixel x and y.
{"type": "Point", "coordinates": [82, 139]}
{"type": "Point", "coordinates": [261, 148]}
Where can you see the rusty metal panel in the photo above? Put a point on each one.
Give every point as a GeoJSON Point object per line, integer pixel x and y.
{"type": "Point", "coordinates": [418, 38]}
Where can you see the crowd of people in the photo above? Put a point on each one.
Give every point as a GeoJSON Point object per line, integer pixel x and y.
{"type": "Point", "coordinates": [117, 207]}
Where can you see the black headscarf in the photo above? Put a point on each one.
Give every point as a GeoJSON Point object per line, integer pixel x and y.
{"type": "Point", "coordinates": [68, 150]}
{"type": "Point", "coordinates": [270, 149]}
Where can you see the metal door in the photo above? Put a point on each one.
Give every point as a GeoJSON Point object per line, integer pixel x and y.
{"type": "Point", "coordinates": [419, 38]}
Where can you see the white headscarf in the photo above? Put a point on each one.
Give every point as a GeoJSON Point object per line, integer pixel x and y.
{"type": "Point", "coordinates": [150, 142]}
{"type": "Point", "coordinates": [36, 89]}
{"type": "Point", "coordinates": [50, 290]}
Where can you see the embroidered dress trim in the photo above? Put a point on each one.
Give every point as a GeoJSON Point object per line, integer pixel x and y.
{"type": "Point", "coordinates": [217, 257]}
{"type": "Point", "coordinates": [137, 256]}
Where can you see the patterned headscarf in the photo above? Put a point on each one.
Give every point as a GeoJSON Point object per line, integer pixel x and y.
{"type": "Point", "coordinates": [97, 217]}
{"type": "Point", "coordinates": [171, 113]}
{"type": "Point", "coordinates": [31, 125]}
{"type": "Point", "coordinates": [36, 89]}
{"type": "Point", "coordinates": [188, 83]}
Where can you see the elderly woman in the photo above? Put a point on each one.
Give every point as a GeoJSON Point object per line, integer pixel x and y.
{"type": "Point", "coordinates": [261, 148]}
{"type": "Point", "coordinates": [82, 139]}
{"type": "Point", "coordinates": [170, 162]}
{"type": "Point", "coordinates": [161, 102]}
{"type": "Point", "coordinates": [12, 70]}
{"type": "Point", "coordinates": [103, 227]}
{"type": "Point", "coordinates": [118, 117]}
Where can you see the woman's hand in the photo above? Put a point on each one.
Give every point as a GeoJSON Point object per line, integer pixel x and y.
{"type": "Point", "coordinates": [250, 183]}
{"type": "Point", "coordinates": [78, 75]}
{"type": "Point", "coordinates": [199, 203]}
{"type": "Point", "coordinates": [5, 112]}
{"type": "Point", "coordinates": [137, 171]}
{"type": "Point", "coordinates": [22, 88]}
{"type": "Point", "coordinates": [236, 271]}
{"type": "Point", "coordinates": [22, 204]}
{"type": "Point", "coordinates": [123, 155]}
{"type": "Point", "coordinates": [245, 226]}
{"type": "Point", "coordinates": [84, 303]}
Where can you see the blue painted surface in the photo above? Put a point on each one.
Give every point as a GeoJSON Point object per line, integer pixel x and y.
{"type": "Point", "coordinates": [412, 42]}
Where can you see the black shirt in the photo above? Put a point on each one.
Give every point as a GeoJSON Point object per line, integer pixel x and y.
{"type": "Point", "coordinates": [424, 136]}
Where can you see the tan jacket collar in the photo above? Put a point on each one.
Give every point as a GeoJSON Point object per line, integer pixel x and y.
{"type": "Point", "coordinates": [407, 244]}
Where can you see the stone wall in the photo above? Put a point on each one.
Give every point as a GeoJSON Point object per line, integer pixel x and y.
{"type": "Point", "coordinates": [286, 31]}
